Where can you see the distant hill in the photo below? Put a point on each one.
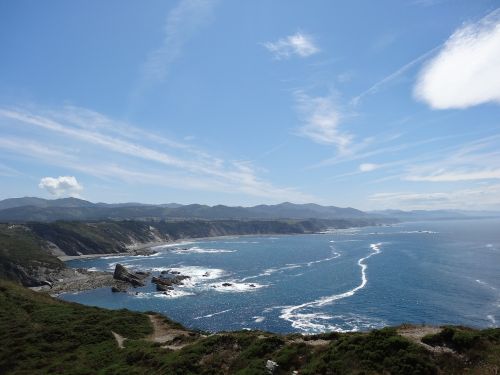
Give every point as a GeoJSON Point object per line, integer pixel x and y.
{"type": "Point", "coordinates": [43, 203]}
{"type": "Point", "coordinates": [416, 215]}
{"type": "Point", "coordinates": [38, 209]}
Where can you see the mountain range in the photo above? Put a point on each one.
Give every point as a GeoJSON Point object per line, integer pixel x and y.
{"type": "Point", "coordinates": [39, 209]}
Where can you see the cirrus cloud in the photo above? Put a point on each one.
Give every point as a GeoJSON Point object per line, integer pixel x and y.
{"type": "Point", "coordinates": [368, 167]}
{"type": "Point", "coordinates": [466, 72]}
{"type": "Point", "coordinates": [298, 44]}
{"type": "Point", "coordinates": [321, 117]}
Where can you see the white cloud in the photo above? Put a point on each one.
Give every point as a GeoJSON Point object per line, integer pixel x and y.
{"type": "Point", "coordinates": [321, 117]}
{"type": "Point", "coordinates": [61, 186]}
{"type": "Point", "coordinates": [466, 72]}
{"type": "Point", "coordinates": [298, 44]}
{"type": "Point", "coordinates": [368, 167]}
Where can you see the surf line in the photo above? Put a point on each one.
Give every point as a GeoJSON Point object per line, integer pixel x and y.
{"type": "Point", "coordinates": [270, 271]}
{"type": "Point", "coordinates": [292, 314]}
{"type": "Point", "coordinates": [213, 314]}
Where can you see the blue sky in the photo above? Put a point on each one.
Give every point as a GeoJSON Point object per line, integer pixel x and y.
{"type": "Point", "coordinates": [386, 104]}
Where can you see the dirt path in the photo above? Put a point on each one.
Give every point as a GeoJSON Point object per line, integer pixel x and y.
{"type": "Point", "coordinates": [119, 339]}
{"type": "Point", "coordinates": [318, 342]}
{"type": "Point", "coordinates": [163, 333]}
{"type": "Point", "coordinates": [416, 334]}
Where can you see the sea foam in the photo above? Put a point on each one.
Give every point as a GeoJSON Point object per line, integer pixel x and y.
{"type": "Point", "coordinates": [307, 321]}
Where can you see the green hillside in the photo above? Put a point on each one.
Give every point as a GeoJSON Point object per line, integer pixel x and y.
{"type": "Point", "coordinates": [42, 335]}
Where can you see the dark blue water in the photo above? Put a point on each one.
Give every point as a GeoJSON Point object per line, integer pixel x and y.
{"type": "Point", "coordinates": [428, 272]}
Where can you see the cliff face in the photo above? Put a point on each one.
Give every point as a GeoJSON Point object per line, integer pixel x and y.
{"type": "Point", "coordinates": [77, 238]}
{"type": "Point", "coordinates": [28, 252]}
{"type": "Point", "coordinates": [23, 257]}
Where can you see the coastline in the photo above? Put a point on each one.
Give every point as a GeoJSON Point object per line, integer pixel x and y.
{"type": "Point", "coordinates": [152, 245]}
{"type": "Point", "coordinates": [81, 279]}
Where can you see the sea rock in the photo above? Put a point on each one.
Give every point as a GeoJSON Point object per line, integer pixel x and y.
{"type": "Point", "coordinates": [142, 274]}
{"type": "Point", "coordinates": [227, 284]}
{"type": "Point", "coordinates": [122, 274]}
{"type": "Point", "coordinates": [119, 288]}
{"type": "Point", "coordinates": [169, 281]}
{"type": "Point", "coordinates": [163, 288]}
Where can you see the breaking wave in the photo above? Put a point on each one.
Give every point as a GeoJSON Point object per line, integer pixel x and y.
{"type": "Point", "coordinates": [317, 322]}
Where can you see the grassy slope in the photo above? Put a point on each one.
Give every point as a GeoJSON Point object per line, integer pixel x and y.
{"type": "Point", "coordinates": [20, 248]}
{"type": "Point", "coordinates": [39, 334]}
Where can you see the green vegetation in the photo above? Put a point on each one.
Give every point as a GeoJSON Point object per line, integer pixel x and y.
{"type": "Point", "coordinates": [477, 346]}
{"type": "Point", "coordinates": [22, 258]}
{"type": "Point", "coordinates": [42, 335]}
{"type": "Point", "coordinates": [76, 237]}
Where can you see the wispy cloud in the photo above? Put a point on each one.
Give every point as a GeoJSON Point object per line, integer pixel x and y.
{"type": "Point", "coordinates": [376, 87]}
{"type": "Point", "coordinates": [368, 167]}
{"type": "Point", "coordinates": [138, 157]}
{"type": "Point", "coordinates": [480, 197]}
{"type": "Point", "coordinates": [321, 119]}
{"type": "Point", "coordinates": [475, 160]}
{"type": "Point", "coordinates": [298, 44]}
{"type": "Point", "coordinates": [459, 175]}
{"type": "Point", "coordinates": [466, 72]}
{"type": "Point", "coordinates": [181, 24]}
{"type": "Point", "coordinates": [61, 186]}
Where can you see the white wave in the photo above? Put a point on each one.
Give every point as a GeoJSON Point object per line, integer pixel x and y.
{"type": "Point", "coordinates": [492, 319]}
{"type": "Point", "coordinates": [170, 294]}
{"type": "Point", "coordinates": [114, 256]}
{"type": "Point", "coordinates": [176, 293]}
{"type": "Point", "coordinates": [485, 284]}
{"type": "Point", "coordinates": [241, 242]}
{"type": "Point", "coordinates": [213, 314]}
{"type": "Point", "coordinates": [93, 269]}
{"type": "Point", "coordinates": [405, 232]}
{"type": "Point", "coordinates": [334, 256]}
{"type": "Point", "coordinates": [236, 287]}
{"type": "Point", "coordinates": [147, 256]}
{"type": "Point", "coordinates": [199, 250]}
{"type": "Point", "coordinates": [270, 271]}
{"type": "Point", "coordinates": [173, 244]}
{"type": "Point", "coordinates": [333, 241]}
{"type": "Point", "coordinates": [258, 319]}
{"type": "Point", "coordinates": [309, 321]}
{"type": "Point", "coordinates": [347, 232]}
{"type": "Point", "coordinates": [198, 275]}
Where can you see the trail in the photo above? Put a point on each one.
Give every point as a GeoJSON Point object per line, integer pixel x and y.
{"type": "Point", "coordinates": [119, 339]}
{"type": "Point", "coordinates": [163, 333]}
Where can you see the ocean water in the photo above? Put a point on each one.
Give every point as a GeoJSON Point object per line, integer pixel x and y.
{"type": "Point", "coordinates": [437, 273]}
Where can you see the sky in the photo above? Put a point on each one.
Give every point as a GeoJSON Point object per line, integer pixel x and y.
{"type": "Point", "coordinates": [367, 104]}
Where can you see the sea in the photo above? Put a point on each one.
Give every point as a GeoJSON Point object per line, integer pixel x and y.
{"type": "Point", "coordinates": [435, 272]}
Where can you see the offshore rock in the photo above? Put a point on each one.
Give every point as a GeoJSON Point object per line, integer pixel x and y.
{"type": "Point", "coordinates": [122, 274]}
